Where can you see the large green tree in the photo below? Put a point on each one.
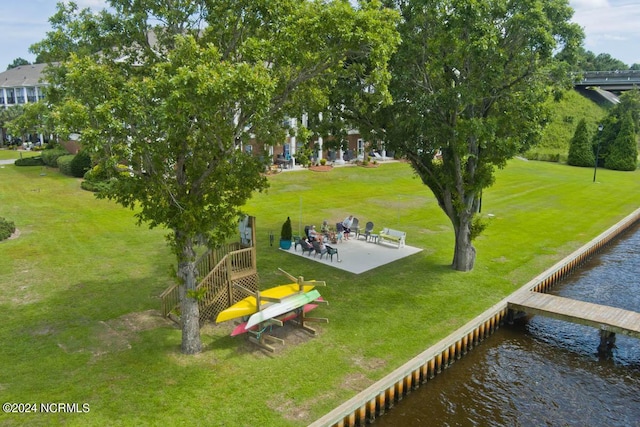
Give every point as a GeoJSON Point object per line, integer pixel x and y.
{"type": "Point", "coordinates": [469, 82]}
{"type": "Point", "coordinates": [7, 116]}
{"type": "Point", "coordinates": [173, 100]}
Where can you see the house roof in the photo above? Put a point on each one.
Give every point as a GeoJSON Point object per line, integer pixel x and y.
{"type": "Point", "coordinates": [23, 76]}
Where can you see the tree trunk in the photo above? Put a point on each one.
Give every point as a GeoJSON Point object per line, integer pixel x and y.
{"type": "Point", "coordinates": [190, 312]}
{"type": "Point", "coordinates": [464, 256]}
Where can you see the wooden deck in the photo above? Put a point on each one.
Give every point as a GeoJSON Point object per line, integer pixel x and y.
{"type": "Point", "coordinates": [602, 317]}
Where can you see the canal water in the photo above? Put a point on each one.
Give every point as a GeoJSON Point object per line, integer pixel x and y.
{"type": "Point", "coordinates": [544, 372]}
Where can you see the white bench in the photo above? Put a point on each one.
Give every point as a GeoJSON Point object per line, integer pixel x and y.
{"type": "Point", "coordinates": [391, 235]}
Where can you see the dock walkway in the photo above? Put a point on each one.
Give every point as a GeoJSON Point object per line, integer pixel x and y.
{"type": "Point", "coordinates": [603, 317]}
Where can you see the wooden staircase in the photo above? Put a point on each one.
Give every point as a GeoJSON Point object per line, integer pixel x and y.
{"type": "Point", "coordinates": [222, 269]}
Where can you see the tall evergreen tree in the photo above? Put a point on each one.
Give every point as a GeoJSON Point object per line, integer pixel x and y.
{"type": "Point", "coordinates": [580, 151]}
{"type": "Point", "coordinates": [623, 153]}
{"type": "Point", "coordinates": [612, 123]}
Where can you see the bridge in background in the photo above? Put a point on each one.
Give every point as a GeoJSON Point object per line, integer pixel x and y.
{"type": "Point", "coordinates": [614, 81]}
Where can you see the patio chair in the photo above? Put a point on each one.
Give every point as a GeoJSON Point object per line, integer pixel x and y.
{"type": "Point", "coordinates": [306, 247]}
{"type": "Point", "coordinates": [331, 251]}
{"type": "Point", "coordinates": [367, 231]}
{"type": "Point", "coordinates": [318, 249]}
{"type": "Point", "coordinates": [354, 227]}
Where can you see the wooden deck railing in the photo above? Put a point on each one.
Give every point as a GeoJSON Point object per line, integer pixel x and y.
{"type": "Point", "coordinates": [218, 269]}
{"type": "Point", "coordinates": [206, 261]}
{"type": "Point", "coordinates": [242, 261]}
{"type": "Point", "coordinates": [170, 299]}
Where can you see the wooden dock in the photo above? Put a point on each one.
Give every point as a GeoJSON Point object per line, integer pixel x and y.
{"type": "Point", "coordinates": [603, 317]}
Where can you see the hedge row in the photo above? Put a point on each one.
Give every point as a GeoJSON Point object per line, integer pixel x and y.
{"type": "Point", "coordinates": [50, 157]}
{"type": "Point", "coordinates": [96, 186]}
{"type": "Point", "coordinates": [74, 164]}
{"type": "Point", "coordinates": [29, 161]}
{"type": "Point", "coordinates": [547, 157]}
{"type": "Point", "coordinates": [64, 164]}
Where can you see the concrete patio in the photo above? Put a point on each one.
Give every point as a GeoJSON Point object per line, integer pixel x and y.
{"type": "Point", "coordinates": [358, 256]}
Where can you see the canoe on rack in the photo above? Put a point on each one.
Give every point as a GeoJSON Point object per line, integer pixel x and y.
{"type": "Point", "coordinates": [248, 306]}
{"type": "Point", "coordinates": [285, 306]}
{"type": "Point", "coordinates": [242, 327]}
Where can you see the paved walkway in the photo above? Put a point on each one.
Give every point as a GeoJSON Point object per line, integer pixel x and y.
{"type": "Point", "coordinates": [7, 162]}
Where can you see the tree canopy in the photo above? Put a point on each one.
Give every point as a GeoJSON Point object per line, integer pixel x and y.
{"type": "Point", "coordinates": [170, 92]}
{"type": "Point", "coordinates": [17, 62]}
{"type": "Point", "coordinates": [586, 60]}
{"type": "Point", "coordinates": [469, 82]}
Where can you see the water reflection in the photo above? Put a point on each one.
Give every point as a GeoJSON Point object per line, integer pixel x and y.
{"type": "Point", "coordinates": [544, 371]}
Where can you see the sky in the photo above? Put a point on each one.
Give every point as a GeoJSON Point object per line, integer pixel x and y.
{"type": "Point", "coordinates": [610, 26]}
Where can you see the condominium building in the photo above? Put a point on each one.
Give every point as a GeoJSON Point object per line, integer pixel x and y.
{"type": "Point", "coordinates": [22, 85]}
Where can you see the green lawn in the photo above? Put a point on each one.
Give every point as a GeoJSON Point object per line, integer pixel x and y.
{"type": "Point", "coordinates": [9, 154]}
{"type": "Point", "coordinates": [78, 287]}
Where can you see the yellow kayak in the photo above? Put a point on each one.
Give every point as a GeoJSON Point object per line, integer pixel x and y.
{"type": "Point", "coordinates": [247, 306]}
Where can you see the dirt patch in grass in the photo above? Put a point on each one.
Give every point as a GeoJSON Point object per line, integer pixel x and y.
{"type": "Point", "coordinates": [114, 335]}
{"type": "Point", "coordinates": [293, 335]}
{"type": "Point", "coordinates": [290, 332]}
{"type": "Point", "coordinates": [356, 381]}
{"type": "Point", "coordinates": [368, 364]}
{"type": "Point", "coordinates": [321, 168]}
{"type": "Point", "coordinates": [19, 294]}
{"type": "Point", "coordinates": [140, 321]}
{"type": "Point", "coordinates": [290, 410]}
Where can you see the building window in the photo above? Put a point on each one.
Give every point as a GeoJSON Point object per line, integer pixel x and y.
{"type": "Point", "coordinates": [31, 94]}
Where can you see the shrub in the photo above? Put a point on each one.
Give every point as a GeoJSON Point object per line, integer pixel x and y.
{"type": "Point", "coordinates": [323, 162]}
{"type": "Point", "coordinates": [96, 173]}
{"type": "Point", "coordinates": [303, 156]}
{"type": "Point", "coordinates": [7, 228]}
{"type": "Point", "coordinates": [96, 186]}
{"type": "Point", "coordinates": [286, 233]}
{"type": "Point", "coordinates": [64, 164]}
{"type": "Point", "coordinates": [543, 157]}
{"type": "Point", "coordinates": [50, 157]}
{"type": "Point", "coordinates": [623, 152]}
{"type": "Point", "coordinates": [29, 161]}
{"type": "Point", "coordinates": [80, 164]}
{"type": "Point", "coordinates": [580, 151]}
{"type": "Point", "coordinates": [478, 225]}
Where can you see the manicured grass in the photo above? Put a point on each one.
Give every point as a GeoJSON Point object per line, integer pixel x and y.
{"type": "Point", "coordinates": [8, 154]}
{"type": "Point", "coordinates": [77, 287]}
